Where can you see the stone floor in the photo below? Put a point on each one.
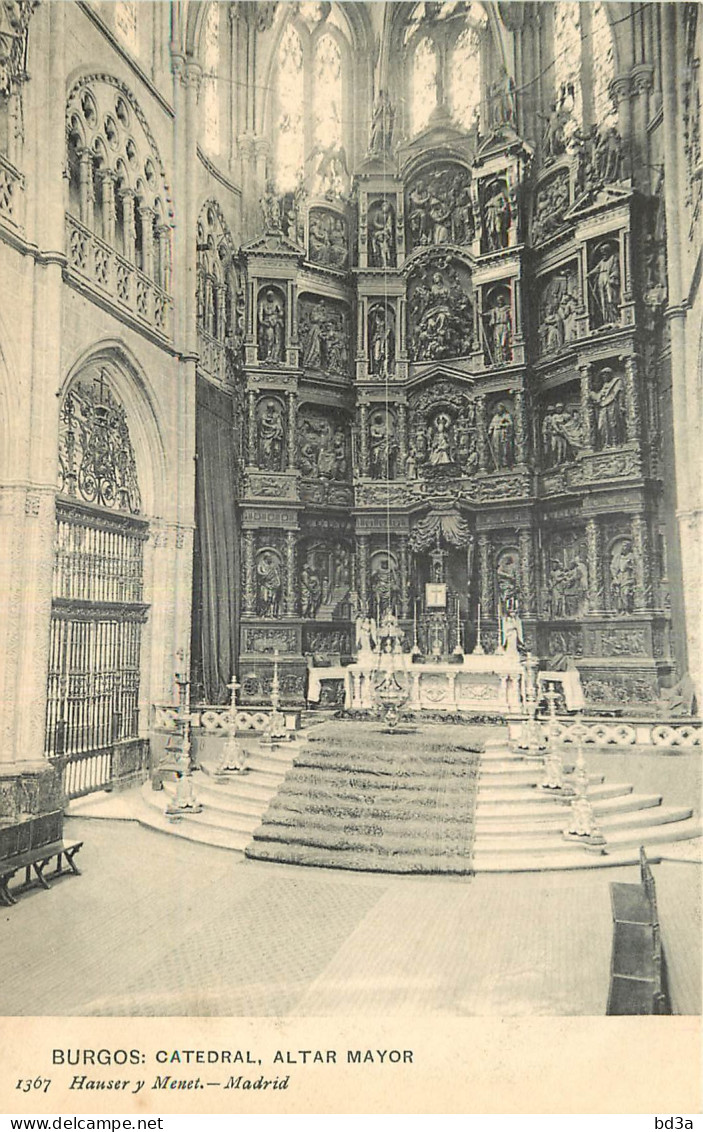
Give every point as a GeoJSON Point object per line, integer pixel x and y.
{"type": "Point", "coordinates": [159, 926]}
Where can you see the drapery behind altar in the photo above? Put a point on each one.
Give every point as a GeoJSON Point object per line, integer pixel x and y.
{"type": "Point", "coordinates": [216, 563]}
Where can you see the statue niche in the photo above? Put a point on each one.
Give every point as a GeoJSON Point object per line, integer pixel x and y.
{"type": "Point", "coordinates": [270, 434]}
{"type": "Point", "coordinates": [438, 207]}
{"type": "Point", "coordinates": [381, 337]}
{"type": "Point", "coordinates": [323, 447]}
{"type": "Point", "coordinates": [271, 323]}
{"type": "Point", "coordinates": [324, 335]}
{"type": "Point", "coordinates": [325, 578]}
{"type": "Point", "coordinates": [566, 575]}
{"type": "Point", "coordinates": [551, 201]}
{"type": "Point", "coordinates": [496, 215]}
{"type": "Point", "coordinates": [442, 433]}
{"type": "Point", "coordinates": [498, 327]}
{"type": "Point", "coordinates": [610, 415]}
{"type": "Point", "coordinates": [440, 312]}
{"type": "Point", "coordinates": [501, 434]}
{"type": "Point", "coordinates": [384, 449]}
{"type": "Point", "coordinates": [269, 577]}
{"type": "Point", "coordinates": [385, 583]}
{"type": "Point", "coordinates": [558, 306]}
{"type": "Point", "coordinates": [562, 430]}
{"type": "Point", "coordinates": [328, 238]}
{"type": "Point", "coordinates": [604, 283]}
{"type": "Point", "coordinates": [621, 576]}
{"type": "Point", "coordinates": [381, 234]}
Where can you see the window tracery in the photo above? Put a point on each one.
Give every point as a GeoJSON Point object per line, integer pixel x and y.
{"type": "Point", "coordinates": [220, 306]}
{"type": "Point", "coordinates": [567, 58]}
{"type": "Point", "coordinates": [424, 83]}
{"type": "Point", "coordinates": [444, 42]}
{"type": "Point", "coordinates": [603, 63]}
{"type": "Point", "coordinates": [126, 22]}
{"type": "Point", "coordinates": [465, 78]}
{"type": "Point", "coordinates": [290, 138]}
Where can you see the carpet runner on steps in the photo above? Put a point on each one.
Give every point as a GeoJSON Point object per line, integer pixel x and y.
{"type": "Point", "coordinates": [390, 807]}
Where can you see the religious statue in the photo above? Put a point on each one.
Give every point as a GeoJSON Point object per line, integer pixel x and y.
{"type": "Point", "coordinates": [610, 409]}
{"type": "Point", "coordinates": [327, 238]}
{"type": "Point", "coordinates": [323, 335]}
{"type": "Point", "coordinates": [499, 322]}
{"type": "Point", "coordinates": [268, 572]}
{"type": "Point", "coordinates": [440, 453]}
{"type": "Point", "coordinates": [604, 284]}
{"type": "Point", "coordinates": [382, 122]}
{"type": "Point", "coordinates": [501, 435]}
{"type": "Point", "coordinates": [440, 314]}
{"type": "Point", "coordinates": [559, 125]}
{"type": "Point", "coordinates": [511, 635]}
{"type": "Point", "coordinates": [332, 173]}
{"type": "Point", "coordinates": [561, 434]}
{"type": "Point", "coordinates": [385, 585]}
{"type": "Point", "coordinates": [271, 328]}
{"type": "Point", "coordinates": [310, 591]}
{"type": "Point", "coordinates": [462, 211]}
{"type": "Point", "coordinates": [558, 308]}
{"type": "Point", "coordinates": [315, 317]}
{"type": "Point", "coordinates": [411, 463]}
{"type": "Point", "coordinates": [382, 234]}
{"type": "Point", "coordinates": [501, 103]}
{"type": "Point", "coordinates": [365, 637]}
{"type": "Point", "coordinates": [497, 218]}
{"type": "Point", "coordinates": [381, 340]}
{"type": "Point", "coordinates": [438, 207]}
{"type": "Point", "coordinates": [271, 208]}
{"type": "Point", "coordinates": [507, 569]}
{"type": "Point", "coordinates": [622, 576]}
{"type": "Point", "coordinates": [271, 433]}
{"type": "Point", "coordinates": [551, 202]}
{"type": "Point", "coordinates": [609, 156]}
{"type": "Point", "coordinates": [383, 446]}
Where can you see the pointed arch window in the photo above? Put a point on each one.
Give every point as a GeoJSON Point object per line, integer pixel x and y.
{"type": "Point", "coordinates": [328, 92]}
{"type": "Point", "coordinates": [424, 94]}
{"type": "Point", "coordinates": [290, 127]}
{"type": "Point", "coordinates": [584, 65]}
{"type": "Point", "coordinates": [465, 78]}
{"type": "Point", "coordinates": [603, 63]}
{"type": "Point", "coordinates": [567, 57]}
{"type": "Point", "coordinates": [211, 93]}
{"type": "Point", "coordinates": [444, 43]}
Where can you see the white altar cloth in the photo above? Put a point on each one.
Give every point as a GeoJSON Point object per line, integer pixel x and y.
{"type": "Point", "coordinates": [480, 683]}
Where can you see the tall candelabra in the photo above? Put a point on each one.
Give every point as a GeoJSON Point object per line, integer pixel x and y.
{"type": "Point", "coordinates": [553, 762]}
{"type": "Point", "coordinates": [532, 739]}
{"type": "Point", "coordinates": [234, 759]}
{"type": "Point", "coordinates": [179, 747]}
{"type": "Point", "coordinates": [582, 825]}
{"type": "Point", "coordinates": [275, 730]}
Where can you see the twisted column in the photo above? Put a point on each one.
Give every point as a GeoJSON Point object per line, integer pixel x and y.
{"type": "Point", "coordinates": [596, 587]}
{"type": "Point", "coordinates": [362, 571]}
{"type": "Point", "coordinates": [643, 565]}
{"type": "Point", "coordinates": [481, 435]}
{"type": "Point", "coordinates": [588, 423]}
{"type": "Point", "coordinates": [485, 576]}
{"type": "Point", "coordinates": [292, 431]}
{"type": "Point", "coordinates": [291, 574]}
{"type": "Point", "coordinates": [251, 426]}
{"type": "Point", "coordinates": [364, 440]}
{"type": "Point", "coordinates": [527, 571]}
{"type": "Point", "coordinates": [249, 587]}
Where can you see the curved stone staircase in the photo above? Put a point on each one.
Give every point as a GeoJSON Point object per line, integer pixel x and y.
{"type": "Point", "coordinates": [442, 811]}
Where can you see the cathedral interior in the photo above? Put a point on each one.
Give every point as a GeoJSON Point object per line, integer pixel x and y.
{"type": "Point", "coordinates": [336, 327]}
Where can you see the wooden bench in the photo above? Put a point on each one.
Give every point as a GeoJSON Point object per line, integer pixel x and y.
{"type": "Point", "coordinates": [638, 968]}
{"type": "Point", "coordinates": [37, 860]}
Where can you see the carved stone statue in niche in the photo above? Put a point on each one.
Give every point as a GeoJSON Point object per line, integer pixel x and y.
{"type": "Point", "coordinates": [270, 435]}
{"type": "Point", "coordinates": [310, 590]}
{"type": "Point", "coordinates": [610, 409]}
{"type": "Point", "coordinates": [507, 580]}
{"type": "Point", "coordinates": [323, 335]}
{"type": "Point", "coordinates": [438, 207]}
{"type": "Point", "coordinates": [559, 125]}
{"type": "Point", "coordinates": [551, 202]}
{"type": "Point", "coordinates": [385, 583]}
{"type": "Point", "coordinates": [558, 308]}
{"type": "Point", "coordinates": [501, 103]}
{"type": "Point", "coordinates": [440, 314]}
{"type": "Point", "coordinates": [382, 123]}
{"type": "Point", "coordinates": [562, 434]}
{"type": "Point", "coordinates": [622, 576]}
{"type": "Point", "coordinates": [499, 328]}
{"type": "Point", "coordinates": [443, 432]}
{"type": "Point", "coordinates": [383, 445]}
{"type": "Point", "coordinates": [381, 340]}
{"type": "Point", "coordinates": [328, 241]}
{"type": "Point", "coordinates": [440, 452]}
{"type": "Point", "coordinates": [604, 284]}
{"type": "Point", "coordinates": [293, 212]}
{"type": "Point", "coordinates": [381, 228]}
{"type": "Point", "coordinates": [501, 436]}
{"type": "Point", "coordinates": [497, 217]}
{"type": "Point", "coordinates": [269, 578]}
{"type": "Point", "coordinates": [602, 158]}
{"type": "Point", "coordinates": [271, 323]}
{"type": "Point", "coordinates": [566, 578]}
{"type": "Point", "coordinates": [322, 448]}
{"type": "Point", "coordinates": [271, 208]}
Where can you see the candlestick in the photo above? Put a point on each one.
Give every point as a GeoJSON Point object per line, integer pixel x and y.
{"type": "Point", "coordinates": [478, 648]}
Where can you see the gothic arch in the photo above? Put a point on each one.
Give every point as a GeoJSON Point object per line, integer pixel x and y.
{"type": "Point", "coordinates": [132, 388]}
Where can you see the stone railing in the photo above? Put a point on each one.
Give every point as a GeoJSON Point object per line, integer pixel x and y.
{"type": "Point", "coordinates": [212, 718]}
{"type": "Point", "coordinates": [213, 356]}
{"type": "Point", "coordinates": [624, 732]}
{"type": "Point", "coordinates": [110, 275]}
{"type": "Point", "coordinates": [11, 194]}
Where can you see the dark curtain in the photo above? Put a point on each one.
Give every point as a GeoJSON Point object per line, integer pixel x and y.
{"type": "Point", "coordinates": [216, 559]}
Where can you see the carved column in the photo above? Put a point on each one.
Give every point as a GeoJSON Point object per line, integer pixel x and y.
{"type": "Point", "coordinates": [251, 427]}
{"type": "Point", "coordinates": [481, 435]}
{"type": "Point", "coordinates": [146, 221]}
{"type": "Point", "coordinates": [596, 599]}
{"type": "Point", "coordinates": [621, 90]}
{"type": "Point", "coordinates": [642, 75]}
{"type": "Point", "coordinates": [221, 298]}
{"type": "Point", "coordinates": [643, 564]}
{"type": "Point", "coordinates": [485, 566]}
{"type": "Point", "coordinates": [362, 571]}
{"type": "Point", "coordinates": [589, 432]}
{"type": "Point", "coordinates": [521, 435]}
{"type": "Point", "coordinates": [249, 604]}
{"type": "Point", "coordinates": [404, 578]}
{"type": "Point", "coordinates": [527, 572]}
{"type": "Point", "coordinates": [364, 440]}
{"type": "Point", "coordinates": [107, 191]}
{"type": "Point", "coordinates": [164, 237]}
{"type": "Point", "coordinates": [291, 573]}
{"type": "Point", "coordinates": [85, 180]}
{"type": "Point", "coordinates": [292, 431]}
{"type": "Point", "coordinates": [402, 437]}
{"type": "Point", "coordinates": [632, 400]}
{"type": "Point", "coordinates": [130, 238]}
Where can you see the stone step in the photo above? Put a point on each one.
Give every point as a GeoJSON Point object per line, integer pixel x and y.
{"type": "Point", "coordinates": [504, 839]}
{"type": "Point", "coordinates": [157, 800]}
{"type": "Point", "coordinates": [191, 831]}
{"type": "Point", "coordinates": [487, 812]}
{"type": "Point", "coordinates": [534, 794]}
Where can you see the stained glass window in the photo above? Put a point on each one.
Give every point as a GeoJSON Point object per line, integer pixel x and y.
{"type": "Point", "coordinates": [328, 93]}
{"type": "Point", "coordinates": [290, 138]}
{"type": "Point", "coordinates": [567, 58]}
{"type": "Point", "coordinates": [211, 58]}
{"type": "Point", "coordinates": [126, 22]}
{"type": "Point", "coordinates": [465, 78]}
{"type": "Point", "coordinates": [603, 64]}
{"type": "Point", "coordinates": [424, 83]}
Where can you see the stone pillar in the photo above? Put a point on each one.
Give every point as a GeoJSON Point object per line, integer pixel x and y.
{"type": "Point", "coordinates": [485, 582]}
{"type": "Point", "coordinates": [251, 428]}
{"type": "Point", "coordinates": [164, 237]}
{"type": "Point", "coordinates": [146, 222]}
{"type": "Point", "coordinates": [481, 434]}
{"type": "Point", "coordinates": [362, 571]}
{"type": "Point", "coordinates": [292, 431]}
{"type": "Point", "coordinates": [521, 433]}
{"type": "Point", "coordinates": [364, 440]}
{"type": "Point", "coordinates": [221, 293]}
{"type": "Point", "coordinates": [404, 578]}
{"type": "Point", "coordinates": [85, 180]}
{"type": "Point", "coordinates": [621, 91]}
{"type": "Point", "coordinates": [249, 587]}
{"type": "Point", "coordinates": [596, 594]}
{"type": "Point", "coordinates": [107, 189]}
{"type": "Point", "coordinates": [291, 574]}
{"type": "Point", "coordinates": [589, 432]}
{"type": "Point", "coordinates": [642, 76]}
{"type": "Point", "coordinates": [527, 572]}
{"type": "Point", "coordinates": [402, 437]}
{"type": "Point", "coordinates": [130, 239]}
{"type": "Point", "coordinates": [643, 565]}
{"type": "Point", "coordinates": [632, 400]}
